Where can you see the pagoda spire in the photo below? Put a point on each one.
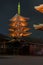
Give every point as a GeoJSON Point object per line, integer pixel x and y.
{"type": "Point", "coordinates": [19, 8]}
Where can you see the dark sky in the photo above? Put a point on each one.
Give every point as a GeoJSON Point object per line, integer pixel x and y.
{"type": "Point", "coordinates": [8, 8]}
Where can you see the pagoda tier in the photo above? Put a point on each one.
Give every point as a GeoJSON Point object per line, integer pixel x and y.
{"type": "Point", "coordinates": [18, 23]}
{"type": "Point", "coordinates": [18, 35]}
{"type": "Point", "coordinates": [20, 29]}
{"type": "Point", "coordinates": [18, 18]}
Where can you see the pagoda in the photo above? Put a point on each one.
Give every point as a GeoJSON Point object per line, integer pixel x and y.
{"type": "Point", "coordinates": [18, 26]}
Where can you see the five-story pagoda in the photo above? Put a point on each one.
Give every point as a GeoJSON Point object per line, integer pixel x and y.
{"type": "Point", "coordinates": [18, 26]}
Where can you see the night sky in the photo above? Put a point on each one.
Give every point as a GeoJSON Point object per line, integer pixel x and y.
{"type": "Point", "coordinates": [8, 8]}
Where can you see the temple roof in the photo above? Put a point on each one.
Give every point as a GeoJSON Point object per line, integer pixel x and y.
{"type": "Point", "coordinates": [18, 17]}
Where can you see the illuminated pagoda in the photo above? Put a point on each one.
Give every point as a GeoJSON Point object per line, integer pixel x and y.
{"type": "Point", "coordinates": [18, 26]}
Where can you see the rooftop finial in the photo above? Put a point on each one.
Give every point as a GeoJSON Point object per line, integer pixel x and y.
{"type": "Point", "coordinates": [18, 7]}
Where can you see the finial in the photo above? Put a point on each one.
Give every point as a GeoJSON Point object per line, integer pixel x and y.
{"type": "Point", "coordinates": [18, 7]}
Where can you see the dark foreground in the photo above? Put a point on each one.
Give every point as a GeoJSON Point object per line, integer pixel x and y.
{"type": "Point", "coordinates": [21, 60]}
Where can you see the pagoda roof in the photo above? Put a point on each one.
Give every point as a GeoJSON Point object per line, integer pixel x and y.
{"type": "Point", "coordinates": [39, 8]}
{"type": "Point", "coordinates": [18, 17]}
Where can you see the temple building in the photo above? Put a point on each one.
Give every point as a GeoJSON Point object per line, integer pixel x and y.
{"type": "Point", "coordinates": [18, 26]}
